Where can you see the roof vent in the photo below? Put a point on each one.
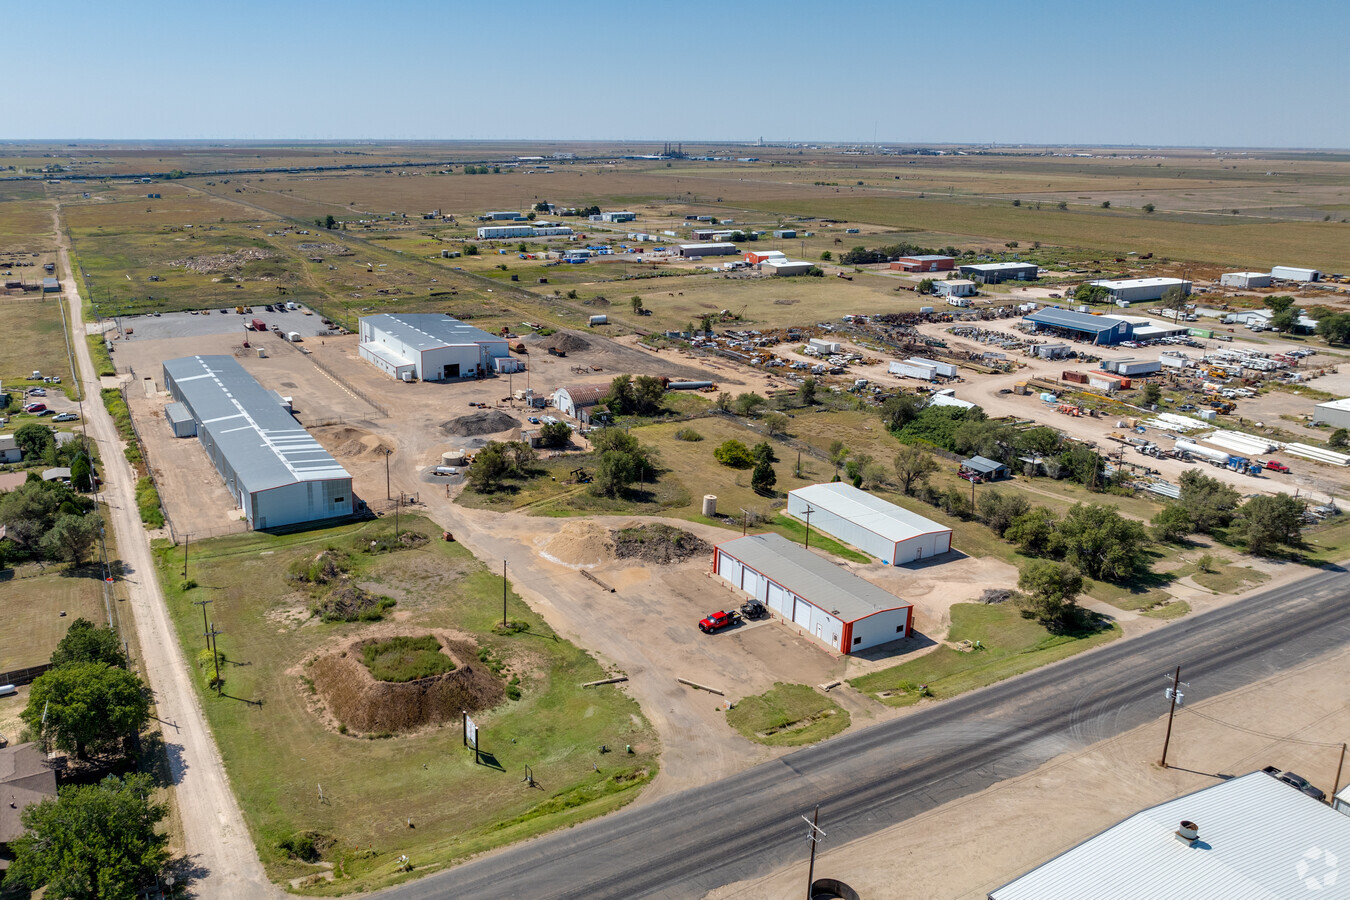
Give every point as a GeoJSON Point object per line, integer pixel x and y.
{"type": "Point", "coordinates": [1188, 833]}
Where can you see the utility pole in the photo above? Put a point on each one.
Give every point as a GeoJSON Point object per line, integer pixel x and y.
{"type": "Point", "coordinates": [799, 463]}
{"type": "Point", "coordinates": [187, 539]}
{"type": "Point", "coordinates": [807, 542]}
{"type": "Point", "coordinates": [1173, 694]}
{"type": "Point", "coordinates": [215, 657]}
{"type": "Point", "coordinates": [814, 836]}
{"type": "Point", "coordinates": [1331, 798]}
{"type": "Point", "coordinates": [388, 493]}
{"type": "Point", "coordinates": [205, 627]}
{"type": "Point", "coordinates": [503, 595]}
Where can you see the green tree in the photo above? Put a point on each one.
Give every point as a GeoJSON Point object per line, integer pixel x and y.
{"type": "Point", "coordinates": [1339, 440]}
{"type": "Point", "coordinates": [1174, 299]}
{"type": "Point", "coordinates": [748, 403]}
{"type": "Point", "coordinates": [1035, 532]}
{"type": "Point", "coordinates": [1085, 466]}
{"type": "Point", "coordinates": [762, 479]}
{"type": "Point", "coordinates": [1040, 440]}
{"type": "Point", "coordinates": [488, 468]}
{"type": "Point", "coordinates": [71, 537]}
{"type": "Point", "coordinates": [86, 642]}
{"type": "Point", "coordinates": [636, 303]}
{"type": "Point", "coordinates": [519, 456]}
{"type": "Point", "coordinates": [826, 255]}
{"type": "Point", "coordinates": [329, 222]}
{"type": "Point", "coordinates": [92, 842]}
{"type": "Point", "coordinates": [806, 391]}
{"type": "Point", "coordinates": [734, 454]}
{"type": "Point", "coordinates": [1172, 523]}
{"type": "Point", "coordinates": [1090, 293]}
{"type": "Point", "coordinates": [36, 441]}
{"type": "Point", "coordinates": [1102, 543]}
{"type": "Point", "coordinates": [1266, 522]}
{"type": "Point", "coordinates": [1209, 502]}
{"type": "Point", "coordinates": [763, 452]}
{"type": "Point", "coordinates": [1106, 204]}
{"type": "Point", "coordinates": [555, 434]}
{"type": "Point", "coordinates": [1284, 321]}
{"type": "Point", "coordinates": [648, 394]}
{"type": "Point", "coordinates": [1152, 394]}
{"type": "Point", "coordinates": [1050, 593]}
{"type": "Point", "coordinates": [705, 323]}
{"type": "Point", "coordinates": [900, 410]}
{"type": "Point", "coordinates": [999, 510]}
{"type": "Point", "coordinates": [913, 466]}
{"type": "Point", "coordinates": [615, 471]}
{"type": "Point", "coordinates": [775, 423]}
{"type": "Point", "coordinates": [620, 398]}
{"type": "Point", "coordinates": [90, 708]}
{"type": "Point", "coordinates": [1149, 207]}
{"type": "Point", "coordinates": [1334, 329]}
{"type": "Point", "coordinates": [1061, 206]}
{"type": "Point", "coordinates": [1279, 303]}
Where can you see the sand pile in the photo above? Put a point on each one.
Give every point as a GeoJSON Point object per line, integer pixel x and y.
{"type": "Point", "coordinates": [345, 442]}
{"type": "Point", "coordinates": [581, 544]}
{"type": "Point", "coordinates": [488, 421]}
{"type": "Point", "coordinates": [357, 700]}
{"type": "Point", "coordinates": [566, 341]}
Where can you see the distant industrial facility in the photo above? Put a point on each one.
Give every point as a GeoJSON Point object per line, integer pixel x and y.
{"type": "Point", "coordinates": [927, 263]}
{"type": "Point", "coordinates": [830, 604]}
{"type": "Point", "coordinates": [429, 347]}
{"type": "Point", "coordinates": [1139, 290]}
{"type": "Point", "coordinates": [996, 273]}
{"type": "Point", "coordinates": [690, 251]}
{"type": "Point", "coordinates": [274, 469]}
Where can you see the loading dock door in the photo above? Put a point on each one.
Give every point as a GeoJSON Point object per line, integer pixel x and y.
{"type": "Point", "coordinates": [778, 600]}
{"type": "Point", "coordinates": [729, 568]}
{"type": "Point", "coordinates": [753, 583]}
{"type": "Point", "coordinates": [801, 615]}
{"type": "Point", "coordinates": [452, 371]}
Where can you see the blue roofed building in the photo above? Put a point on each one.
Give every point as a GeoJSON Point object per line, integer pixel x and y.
{"type": "Point", "coordinates": [1079, 326]}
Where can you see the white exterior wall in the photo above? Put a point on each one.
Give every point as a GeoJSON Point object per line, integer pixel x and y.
{"type": "Point", "coordinates": [879, 628]}
{"type": "Point", "coordinates": [1295, 273]}
{"type": "Point", "coordinates": [1245, 279]}
{"type": "Point", "coordinates": [924, 373]}
{"type": "Point", "coordinates": [896, 553]}
{"type": "Point", "coordinates": [433, 362]}
{"type": "Point", "coordinates": [304, 501]}
{"type": "Point", "coordinates": [1334, 415]}
{"type": "Point", "coordinates": [384, 365]}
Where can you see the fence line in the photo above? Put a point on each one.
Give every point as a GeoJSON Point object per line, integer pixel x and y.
{"type": "Point", "coordinates": [346, 385]}
{"type": "Point", "coordinates": [20, 677]}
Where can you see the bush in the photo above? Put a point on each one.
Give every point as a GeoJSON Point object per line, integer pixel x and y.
{"type": "Point", "coordinates": [688, 434]}
{"type": "Point", "coordinates": [147, 501]}
{"type": "Point", "coordinates": [734, 454]}
{"type": "Point", "coordinates": [402, 659]}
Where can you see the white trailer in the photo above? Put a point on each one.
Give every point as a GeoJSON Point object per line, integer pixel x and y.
{"type": "Point", "coordinates": [946, 370]}
{"type": "Point", "coordinates": [913, 370]}
{"type": "Point", "coordinates": [1295, 273]}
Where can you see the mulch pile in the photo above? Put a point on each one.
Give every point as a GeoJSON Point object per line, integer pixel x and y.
{"type": "Point", "coordinates": [660, 544]}
{"type": "Point", "coordinates": [483, 422]}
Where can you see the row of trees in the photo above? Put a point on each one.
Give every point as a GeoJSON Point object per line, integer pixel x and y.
{"type": "Point", "coordinates": [45, 520]}
{"type": "Point", "coordinates": [859, 256]}
{"type": "Point", "coordinates": [1208, 506]}
{"type": "Point", "coordinates": [640, 396]}
{"type": "Point", "coordinates": [621, 460]}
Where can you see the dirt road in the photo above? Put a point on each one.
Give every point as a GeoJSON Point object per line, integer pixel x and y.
{"type": "Point", "coordinates": [214, 840]}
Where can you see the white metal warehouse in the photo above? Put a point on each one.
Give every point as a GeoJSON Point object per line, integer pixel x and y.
{"type": "Point", "coordinates": [889, 532]}
{"type": "Point", "coordinates": [1335, 413]}
{"type": "Point", "coordinates": [275, 470]}
{"type": "Point", "coordinates": [832, 605]}
{"type": "Point", "coordinates": [1139, 290]}
{"type": "Point", "coordinates": [429, 347]}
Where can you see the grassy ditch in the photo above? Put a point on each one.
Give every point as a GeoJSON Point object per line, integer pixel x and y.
{"type": "Point", "coordinates": [788, 715]}
{"type": "Point", "coordinates": [277, 747]}
{"type": "Point", "coordinates": [147, 502]}
{"type": "Point", "coordinates": [1009, 645]}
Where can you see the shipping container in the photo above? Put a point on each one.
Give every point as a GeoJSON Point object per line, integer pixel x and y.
{"type": "Point", "coordinates": [259, 325]}
{"type": "Point", "coordinates": [1075, 377]}
{"type": "Point", "coordinates": [1138, 367]}
{"type": "Point", "coordinates": [1200, 332]}
{"type": "Point", "coordinates": [946, 370]}
{"type": "Point", "coordinates": [1103, 383]}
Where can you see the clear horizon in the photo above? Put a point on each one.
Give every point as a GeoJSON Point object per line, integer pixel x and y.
{"type": "Point", "coordinates": [1231, 75]}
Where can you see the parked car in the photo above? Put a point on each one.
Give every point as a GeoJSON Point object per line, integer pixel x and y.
{"type": "Point", "coordinates": [1275, 465]}
{"type": "Point", "coordinates": [37, 392]}
{"type": "Point", "coordinates": [35, 407]}
{"type": "Point", "coordinates": [533, 420]}
{"type": "Point", "coordinates": [1303, 785]}
{"type": "Point", "coordinates": [66, 417]}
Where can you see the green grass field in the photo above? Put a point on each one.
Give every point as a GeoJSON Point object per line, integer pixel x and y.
{"type": "Point", "coordinates": [32, 603]}
{"type": "Point", "coordinates": [1011, 645]}
{"type": "Point", "coordinates": [788, 715]}
{"type": "Point", "coordinates": [278, 752]}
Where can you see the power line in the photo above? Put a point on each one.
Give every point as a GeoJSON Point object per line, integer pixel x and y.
{"type": "Point", "coordinates": [1262, 734]}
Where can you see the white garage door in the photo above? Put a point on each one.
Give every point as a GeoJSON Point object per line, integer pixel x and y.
{"type": "Point", "coordinates": [729, 568]}
{"type": "Point", "coordinates": [778, 600]}
{"type": "Point", "coordinates": [753, 583]}
{"type": "Point", "coordinates": [802, 614]}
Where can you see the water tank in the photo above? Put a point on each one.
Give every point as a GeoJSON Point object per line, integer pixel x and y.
{"type": "Point", "coordinates": [1194, 449]}
{"type": "Point", "coordinates": [452, 458]}
{"type": "Point", "coordinates": [709, 505]}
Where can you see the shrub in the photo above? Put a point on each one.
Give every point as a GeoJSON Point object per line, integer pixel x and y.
{"type": "Point", "coordinates": [402, 659]}
{"type": "Point", "coordinates": [734, 454]}
{"type": "Point", "coordinates": [688, 434]}
{"type": "Point", "coordinates": [147, 501]}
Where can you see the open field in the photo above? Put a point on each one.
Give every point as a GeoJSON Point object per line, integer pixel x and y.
{"type": "Point", "coordinates": [34, 338]}
{"type": "Point", "coordinates": [38, 606]}
{"type": "Point", "coordinates": [277, 745]}
{"type": "Point", "coordinates": [788, 715]}
{"type": "Point", "coordinates": [1009, 645]}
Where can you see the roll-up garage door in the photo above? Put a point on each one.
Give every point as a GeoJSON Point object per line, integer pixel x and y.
{"type": "Point", "coordinates": [802, 614]}
{"type": "Point", "coordinates": [778, 600]}
{"type": "Point", "coordinates": [753, 583]}
{"type": "Point", "coordinates": [729, 568]}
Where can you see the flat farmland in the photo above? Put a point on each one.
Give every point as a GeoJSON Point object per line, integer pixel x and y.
{"type": "Point", "coordinates": [34, 337]}
{"type": "Point", "coordinates": [26, 227]}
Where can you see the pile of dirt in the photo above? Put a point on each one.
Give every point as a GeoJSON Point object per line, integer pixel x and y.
{"type": "Point", "coordinates": [581, 544]}
{"type": "Point", "coordinates": [365, 705]}
{"type": "Point", "coordinates": [215, 263]}
{"type": "Point", "coordinates": [566, 341]}
{"type": "Point", "coordinates": [349, 603]}
{"type": "Point", "coordinates": [323, 568]}
{"type": "Point", "coordinates": [660, 544]}
{"type": "Point", "coordinates": [488, 421]}
{"type": "Point", "coordinates": [346, 442]}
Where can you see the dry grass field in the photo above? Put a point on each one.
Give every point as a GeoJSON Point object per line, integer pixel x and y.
{"type": "Point", "coordinates": [34, 337]}
{"type": "Point", "coordinates": [32, 602]}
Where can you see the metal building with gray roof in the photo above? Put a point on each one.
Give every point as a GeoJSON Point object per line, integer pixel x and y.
{"type": "Point", "coordinates": [276, 471]}
{"type": "Point", "coordinates": [830, 604]}
{"type": "Point", "coordinates": [891, 533]}
{"type": "Point", "coordinates": [1081, 326]}
{"type": "Point", "coordinates": [428, 347]}
{"type": "Point", "coordinates": [1248, 838]}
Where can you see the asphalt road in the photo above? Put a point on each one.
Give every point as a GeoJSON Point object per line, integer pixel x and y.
{"type": "Point", "coordinates": [749, 825]}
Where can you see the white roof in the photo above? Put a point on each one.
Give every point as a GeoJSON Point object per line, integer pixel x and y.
{"type": "Point", "coordinates": [779, 263]}
{"type": "Point", "coordinates": [894, 523]}
{"type": "Point", "coordinates": [706, 246]}
{"type": "Point", "coordinates": [1343, 403]}
{"type": "Point", "coordinates": [1250, 274]}
{"type": "Point", "coordinates": [1139, 282]}
{"type": "Point", "coordinates": [1260, 839]}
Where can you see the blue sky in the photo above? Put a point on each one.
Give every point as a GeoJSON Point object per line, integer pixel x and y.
{"type": "Point", "coordinates": [1186, 72]}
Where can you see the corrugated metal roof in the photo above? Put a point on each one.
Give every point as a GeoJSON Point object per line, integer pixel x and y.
{"type": "Point", "coordinates": [1254, 833]}
{"type": "Point", "coordinates": [1000, 267]}
{"type": "Point", "coordinates": [177, 412]}
{"type": "Point", "coordinates": [1067, 318]}
{"type": "Point", "coordinates": [835, 590]}
{"type": "Point", "coordinates": [925, 258]}
{"type": "Point", "coordinates": [1117, 284]}
{"type": "Point", "coordinates": [429, 331]}
{"type": "Point", "coordinates": [895, 523]}
{"type": "Point", "coordinates": [265, 445]}
{"type": "Point", "coordinates": [586, 394]}
{"type": "Point", "coordinates": [983, 464]}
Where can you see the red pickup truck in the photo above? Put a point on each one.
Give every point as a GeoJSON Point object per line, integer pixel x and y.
{"type": "Point", "coordinates": [717, 621]}
{"type": "Point", "coordinates": [1275, 465]}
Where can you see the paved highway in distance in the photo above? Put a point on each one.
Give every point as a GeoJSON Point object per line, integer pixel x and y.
{"type": "Point", "coordinates": [749, 825]}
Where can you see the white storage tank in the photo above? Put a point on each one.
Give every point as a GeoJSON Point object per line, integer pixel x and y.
{"type": "Point", "coordinates": [1207, 453]}
{"type": "Point", "coordinates": [709, 505]}
{"type": "Point", "coordinates": [452, 458]}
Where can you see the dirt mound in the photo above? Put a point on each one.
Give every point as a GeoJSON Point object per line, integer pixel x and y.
{"type": "Point", "coordinates": [345, 442]}
{"type": "Point", "coordinates": [349, 603]}
{"type": "Point", "coordinates": [488, 421]}
{"type": "Point", "coordinates": [566, 341]}
{"type": "Point", "coordinates": [661, 544]}
{"type": "Point", "coordinates": [365, 705]}
{"type": "Point", "coordinates": [581, 544]}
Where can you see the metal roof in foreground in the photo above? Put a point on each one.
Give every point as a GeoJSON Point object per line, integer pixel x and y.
{"type": "Point", "coordinates": [1068, 318]}
{"type": "Point", "coordinates": [1259, 839]}
{"type": "Point", "coordinates": [265, 445]}
{"type": "Point", "coordinates": [835, 590]}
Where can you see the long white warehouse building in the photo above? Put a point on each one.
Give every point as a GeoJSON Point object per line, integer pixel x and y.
{"type": "Point", "coordinates": [832, 605]}
{"type": "Point", "coordinates": [428, 347]}
{"type": "Point", "coordinates": [275, 469]}
{"type": "Point", "coordinates": [891, 533]}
